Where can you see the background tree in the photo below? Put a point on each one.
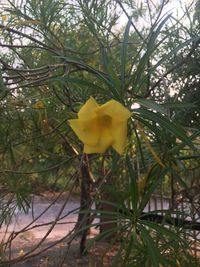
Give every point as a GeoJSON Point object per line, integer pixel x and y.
{"type": "Point", "coordinates": [59, 53]}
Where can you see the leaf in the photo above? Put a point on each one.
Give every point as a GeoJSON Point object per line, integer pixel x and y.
{"type": "Point", "coordinates": [154, 177]}
{"type": "Point", "coordinates": [162, 230]}
{"type": "Point", "coordinates": [154, 253]}
{"type": "Point", "coordinates": [115, 84]}
{"type": "Point", "coordinates": [82, 66]}
{"type": "Point", "coordinates": [165, 123]}
{"type": "Point", "coordinates": [150, 48]}
{"type": "Point", "coordinates": [149, 146]}
{"type": "Point", "coordinates": [177, 148]}
{"type": "Point", "coordinates": [124, 54]}
{"type": "Point", "coordinates": [140, 149]}
{"type": "Point", "coordinates": [179, 179]}
{"type": "Point", "coordinates": [150, 126]}
{"type": "Point", "coordinates": [194, 156]}
{"type": "Point", "coordinates": [128, 250]}
{"type": "Point", "coordinates": [164, 58]}
{"type": "Point", "coordinates": [3, 89]}
{"type": "Point", "coordinates": [133, 185]}
{"type": "Point", "coordinates": [81, 82]}
{"type": "Point", "coordinates": [163, 107]}
{"type": "Point", "coordinates": [179, 47]}
{"type": "Point", "coordinates": [179, 105]}
{"type": "Point", "coordinates": [150, 104]}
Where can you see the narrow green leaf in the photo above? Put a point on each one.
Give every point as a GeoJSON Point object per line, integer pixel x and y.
{"type": "Point", "coordinates": [140, 149]}
{"type": "Point", "coordinates": [150, 104]}
{"type": "Point", "coordinates": [100, 75]}
{"type": "Point", "coordinates": [177, 148]}
{"type": "Point", "coordinates": [124, 54]}
{"type": "Point", "coordinates": [179, 179]}
{"type": "Point", "coordinates": [139, 82]}
{"type": "Point", "coordinates": [154, 254]}
{"type": "Point", "coordinates": [81, 82]}
{"type": "Point", "coordinates": [155, 33]}
{"type": "Point", "coordinates": [115, 84]}
{"type": "Point", "coordinates": [2, 85]}
{"type": "Point", "coordinates": [162, 108]}
{"type": "Point", "coordinates": [174, 51]}
{"type": "Point", "coordinates": [150, 48]}
{"type": "Point", "coordinates": [165, 123]}
{"type": "Point", "coordinates": [128, 250]}
{"type": "Point", "coordinates": [3, 89]}
{"type": "Point", "coordinates": [134, 188]}
{"type": "Point", "coordinates": [155, 176]}
{"type": "Point", "coordinates": [162, 230]}
{"type": "Point", "coordinates": [179, 105]}
{"type": "Point", "coordinates": [194, 156]}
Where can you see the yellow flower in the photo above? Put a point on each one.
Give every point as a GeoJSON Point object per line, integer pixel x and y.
{"type": "Point", "coordinates": [99, 127]}
{"type": "Point", "coordinates": [3, 17]}
{"type": "Point", "coordinates": [141, 183]}
{"type": "Point", "coordinates": [38, 105]}
{"type": "Point", "coordinates": [21, 253]}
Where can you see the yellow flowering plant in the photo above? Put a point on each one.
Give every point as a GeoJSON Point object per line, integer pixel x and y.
{"type": "Point", "coordinates": [3, 17]}
{"type": "Point", "coordinates": [87, 53]}
{"type": "Point", "coordinates": [101, 126]}
{"type": "Point", "coordinates": [38, 105]}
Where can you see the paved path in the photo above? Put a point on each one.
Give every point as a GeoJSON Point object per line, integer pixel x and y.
{"type": "Point", "coordinates": [21, 220]}
{"type": "Point", "coordinates": [64, 226]}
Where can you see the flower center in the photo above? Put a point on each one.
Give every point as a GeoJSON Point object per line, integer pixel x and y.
{"type": "Point", "coordinates": [105, 121]}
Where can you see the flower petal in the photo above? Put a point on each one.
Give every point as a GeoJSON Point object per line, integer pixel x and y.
{"type": "Point", "coordinates": [119, 133]}
{"type": "Point", "coordinates": [87, 131]}
{"type": "Point", "coordinates": [93, 149]}
{"type": "Point", "coordinates": [88, 109]}
{"type": "Point", "coordinates": [99, 127]}
{"type": "Point", "coordinates": [105, 141]}
{"type": "Point", "coordinates": [115, 110]}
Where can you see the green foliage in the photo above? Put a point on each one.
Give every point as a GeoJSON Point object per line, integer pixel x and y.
{"type": "Point", "coordinates": [62, 52]}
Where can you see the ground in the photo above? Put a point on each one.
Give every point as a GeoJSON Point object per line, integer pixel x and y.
{"type": "Point", "coordinates": [44, 210]}
{"type": "Point", "coordinates": [58, 253]}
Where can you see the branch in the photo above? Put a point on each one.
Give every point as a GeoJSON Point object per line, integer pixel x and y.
{"type": "Point", "coordinates": [30, 38]}
{"type": "Point", "coordinates": [40, 171]}
{"type": "Point", "coordinates": [130, 19]}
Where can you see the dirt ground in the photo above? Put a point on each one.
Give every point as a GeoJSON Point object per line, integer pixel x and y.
{"type": "Point", "coordinates": [60, 254]}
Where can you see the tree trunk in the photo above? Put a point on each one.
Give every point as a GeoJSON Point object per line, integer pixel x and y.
{"type": "Point", "coordinates": [85, 203]}
{"type": "Point", "coordinates": [105, 219]}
